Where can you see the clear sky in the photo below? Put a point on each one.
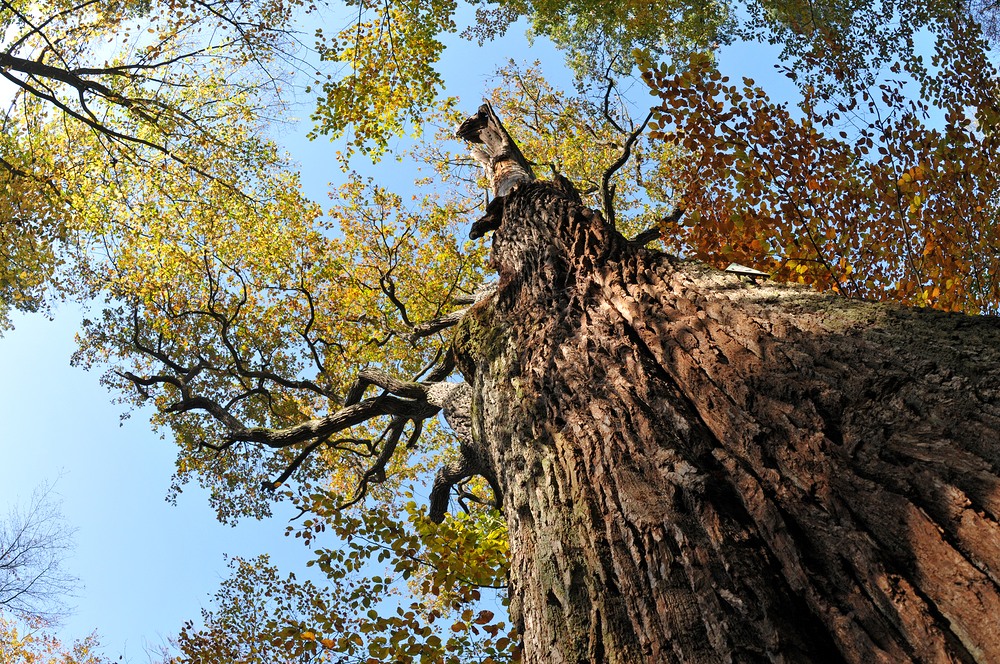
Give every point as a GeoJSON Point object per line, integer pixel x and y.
{"type": "Point", "coordinates": [144, 565]}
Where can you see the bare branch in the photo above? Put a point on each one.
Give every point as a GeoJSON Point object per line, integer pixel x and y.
{"type": "Point", "coordinates": [294, 465]}
{"type": "Point", "coordinates": [34, 540]}
{"type": "Point", "coordinates": [376, 473]}
{"type": "Point", "coordinates": [607, 99]}
{"type": "Point", "coordinates": [495, 151]}
{"type": "Point", "coordinates": [389, 288]}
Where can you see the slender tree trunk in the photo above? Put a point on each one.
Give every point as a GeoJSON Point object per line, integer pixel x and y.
{"type": "Point", "coordinates": [697, 469]}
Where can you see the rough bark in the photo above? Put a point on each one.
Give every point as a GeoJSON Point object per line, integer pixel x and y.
{"type": "Point", "coordinates": [698, 469]}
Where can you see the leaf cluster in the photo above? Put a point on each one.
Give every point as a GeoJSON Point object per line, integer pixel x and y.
{"type": "Point", "coordinates": [244, 319]}
{"type": "Point", "coordinates": [359, 614]}
{"type": "Point", "coordinates": [889, 194]}
{"type": "Point", "coordinates": [103, 97]}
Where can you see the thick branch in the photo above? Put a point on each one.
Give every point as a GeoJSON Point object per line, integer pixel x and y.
{"type": "Point", "coordinates": [440, 323]}
{"type": "Point", "coordinates": [455, 400]}
{"type": "Point", "coordinates": [437, 324]}
{"type": "Point", "coordinates": [653, 233]}
{"type": "Point", "coordinates": [481, 293]}
{"type": "Point", "coordinates": [368, 377]}
{"type": "Point", "coordinates": [331, 424]}
{"type": "Point", "coordinates": [42, 70]}
{"type": "Point", "coordinates": [447, 477]}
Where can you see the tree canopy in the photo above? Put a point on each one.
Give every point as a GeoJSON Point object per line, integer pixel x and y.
{"type": "Point", "coordinates": [877, 184]}
{"type": "Point", "coordinates": [296, 353]}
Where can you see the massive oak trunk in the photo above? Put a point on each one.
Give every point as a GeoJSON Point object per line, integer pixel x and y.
{"type": "Point", "coordinates": [698, 469]}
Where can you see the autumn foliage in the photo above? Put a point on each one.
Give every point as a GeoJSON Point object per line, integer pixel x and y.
{"type": "Point", "coordinates": [32, 641]}
{"type": "Point", "coordinates": [881, 188]}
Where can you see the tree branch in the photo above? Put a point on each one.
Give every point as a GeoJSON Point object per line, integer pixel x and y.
{"type": "Point", "coordinates": [440, 323]}
{"type": "Point", "coordinates": [608, 189]}
{"type": "Point", "coordinates": [335, 422]}
{"type": "Point", "coordinates": [653, 233]}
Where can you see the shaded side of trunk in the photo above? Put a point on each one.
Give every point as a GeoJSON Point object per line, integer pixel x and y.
{"type": "Point", "coordinates": [695, 469]}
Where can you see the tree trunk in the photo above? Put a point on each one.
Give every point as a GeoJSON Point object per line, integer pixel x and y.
{"type": "Point", "coordinates": [697, 469]}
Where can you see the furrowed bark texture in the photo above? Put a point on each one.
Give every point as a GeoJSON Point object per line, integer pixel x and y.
{"type": "Point", "coordinates": [695, 469]}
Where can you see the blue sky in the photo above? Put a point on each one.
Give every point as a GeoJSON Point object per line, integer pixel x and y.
{"type": "Point", "coordinates": [146, 566]}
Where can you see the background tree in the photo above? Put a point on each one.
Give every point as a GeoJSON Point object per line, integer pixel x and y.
{"type": "Point", "coordinates": [34, 543]}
